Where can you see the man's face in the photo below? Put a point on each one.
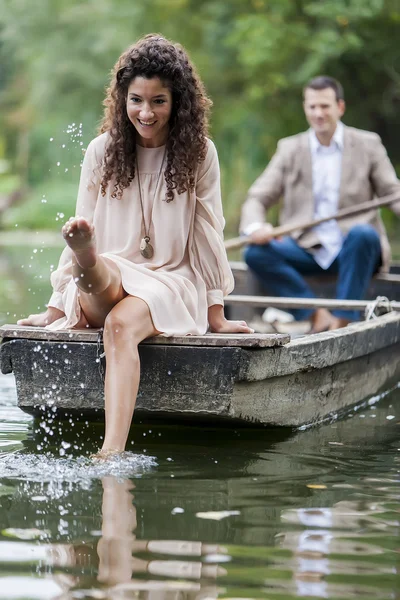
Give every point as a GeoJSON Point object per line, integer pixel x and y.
{"type": "Point", "coordinates": [323, 111]}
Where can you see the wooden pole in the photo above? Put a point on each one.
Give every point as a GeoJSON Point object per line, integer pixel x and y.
{"type": "Point", "coordinates": [345, 212]}
{"type": "Point", "coordinates": [283, 303]}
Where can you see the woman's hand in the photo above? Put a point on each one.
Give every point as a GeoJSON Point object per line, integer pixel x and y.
{"type": "Point", "coordinates": [42, 319]}
{"type": "Point", "coordinates": [218, 323]}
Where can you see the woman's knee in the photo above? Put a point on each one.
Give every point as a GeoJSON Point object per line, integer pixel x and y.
{"type": "Point", "coordinates": [129, 320]}
{"type": "Point", "coordinates": [117, 327]}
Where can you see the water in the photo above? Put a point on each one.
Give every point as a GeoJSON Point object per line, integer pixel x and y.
{"type": "Point", "coordinates": [201, 513]}
{"type": "Point", "coordinates": [198, 513]}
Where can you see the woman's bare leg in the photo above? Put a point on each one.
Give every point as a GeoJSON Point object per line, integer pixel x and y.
{"type": "Point", "coordinates": [98, 279]}
{"type": "Point", "coordinates": [127, 324]}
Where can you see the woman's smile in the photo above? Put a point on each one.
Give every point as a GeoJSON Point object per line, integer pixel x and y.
{"type": "Point", "coordinates": [148, 124]}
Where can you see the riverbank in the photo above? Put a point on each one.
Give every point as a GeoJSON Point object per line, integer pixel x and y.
{"type": "Point", "coordinates": [27, 237]}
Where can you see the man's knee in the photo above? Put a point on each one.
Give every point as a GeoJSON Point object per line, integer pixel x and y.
{"type": "Point", "coordinates": [253, 255]}
{"type": "Point", "coordinates": [264, 256]}
{"type": "Point", "coordinates": [365, 236]}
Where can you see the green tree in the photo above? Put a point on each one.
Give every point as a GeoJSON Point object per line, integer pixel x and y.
{"type": "Point", "coordinates": [254, 56]}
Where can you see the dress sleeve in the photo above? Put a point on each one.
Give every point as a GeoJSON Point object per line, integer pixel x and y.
{"type": "Point", "coordinates": [88, 190]}
{"type": "Point", "coordinates": [209, 250]}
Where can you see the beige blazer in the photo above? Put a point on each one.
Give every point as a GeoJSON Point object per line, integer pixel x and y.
{"type": "Point", "coordinates": [366, 173]}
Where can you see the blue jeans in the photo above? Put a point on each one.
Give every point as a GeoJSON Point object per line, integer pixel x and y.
{"type": "Point", "coordinates": [280, 265]}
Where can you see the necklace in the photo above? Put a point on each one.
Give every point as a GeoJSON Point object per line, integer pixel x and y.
{"type": "Point", "coordinates": [146, 249]}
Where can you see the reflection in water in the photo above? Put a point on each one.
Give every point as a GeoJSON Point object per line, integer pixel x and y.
{"type": "Point", "coordinates": [120, 553]}
{"type": "Point", "coordinates": [325, 548]}
{"type": "Point", "coordinates": [118, 557]}
{"type": "Point", "coordinates": [201, 513]}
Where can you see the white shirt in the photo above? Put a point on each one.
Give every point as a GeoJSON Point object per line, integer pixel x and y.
{"type": "Point", "coordinates": [326, 174]}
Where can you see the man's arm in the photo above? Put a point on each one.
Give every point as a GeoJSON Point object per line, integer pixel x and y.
{"type": "Point", "coordinates": [383, 176]}
{"type": "Point", "coordinates": [264, 192]}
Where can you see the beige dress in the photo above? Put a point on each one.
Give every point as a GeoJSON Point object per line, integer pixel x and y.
{"type": "Point", "coordinates": [189, 270]}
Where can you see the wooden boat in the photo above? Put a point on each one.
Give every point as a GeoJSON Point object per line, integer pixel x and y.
{"type": "Point", "coordinates": [262, 379]}
{"type": "Point", "coordinates": [383, 284]}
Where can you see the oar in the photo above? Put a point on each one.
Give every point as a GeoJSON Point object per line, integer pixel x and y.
{"type": "Point", "coordinates": [341, 214]}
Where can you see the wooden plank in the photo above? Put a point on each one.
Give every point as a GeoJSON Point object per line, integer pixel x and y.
{"type": "Point", "coordinates": [321, 350]}
{"type": "Point", "coordinates": [391, 277]}
{"type": "Point", "coordinates": [277, 302]}
{"type": "Point", "coordinates": [254, 340]}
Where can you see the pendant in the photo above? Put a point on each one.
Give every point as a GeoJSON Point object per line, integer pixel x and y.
{"type": "Point", "coordinates": [146, 249]}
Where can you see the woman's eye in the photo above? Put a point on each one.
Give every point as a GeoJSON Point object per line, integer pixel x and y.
{"type": "Point", "coordinates": [159, 101]}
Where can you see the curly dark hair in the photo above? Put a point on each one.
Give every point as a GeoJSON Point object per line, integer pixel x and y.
{"type": "Point", "coordinates": [155, 56]}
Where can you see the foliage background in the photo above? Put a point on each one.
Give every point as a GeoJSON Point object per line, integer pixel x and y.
{"type": "Point", "coordinates": [254, 56]}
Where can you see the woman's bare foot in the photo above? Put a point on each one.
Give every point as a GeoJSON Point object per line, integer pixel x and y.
{"type": "Point", "coordinates": [79, 235]}
{"type": "Point", "coordinates": [105, 454]}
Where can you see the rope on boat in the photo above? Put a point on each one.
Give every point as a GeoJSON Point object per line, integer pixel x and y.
{"type": "Point", "coordinates": [100, 355]}
{"type": "Point", "coordinates": [380, 306]}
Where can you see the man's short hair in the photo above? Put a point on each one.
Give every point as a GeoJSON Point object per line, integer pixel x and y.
{"type": "Point", "coordinates": [322, 82]}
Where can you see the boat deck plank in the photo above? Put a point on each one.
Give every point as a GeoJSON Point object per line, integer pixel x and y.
{"type": "Point", "coordinates": [254, 340]}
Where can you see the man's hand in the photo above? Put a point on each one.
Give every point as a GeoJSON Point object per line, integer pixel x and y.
{"type": "Point", "coordinates": [262, 235]}
{"type": "Point", "coordinates": [42, 319]}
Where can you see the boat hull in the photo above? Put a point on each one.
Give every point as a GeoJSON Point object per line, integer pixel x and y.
{"type": "Point", "coordinates": [214, 378]}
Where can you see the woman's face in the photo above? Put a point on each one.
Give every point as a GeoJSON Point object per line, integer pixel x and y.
{"type": "Point", "coordinates": [149, 106]}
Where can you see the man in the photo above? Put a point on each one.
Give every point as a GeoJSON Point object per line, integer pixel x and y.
{"type": "Point", "coordinates": [318, 172]}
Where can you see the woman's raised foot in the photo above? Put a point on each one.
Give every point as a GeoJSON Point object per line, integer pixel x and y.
{"type": "Point", "coordinates": [79, 235]}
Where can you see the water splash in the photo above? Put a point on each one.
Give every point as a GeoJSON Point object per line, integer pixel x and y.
{"type": "Point", "coordinates": [81, 471]}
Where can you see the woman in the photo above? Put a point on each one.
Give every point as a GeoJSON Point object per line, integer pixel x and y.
{"type": "Point", "coordinates": [150, 191]}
